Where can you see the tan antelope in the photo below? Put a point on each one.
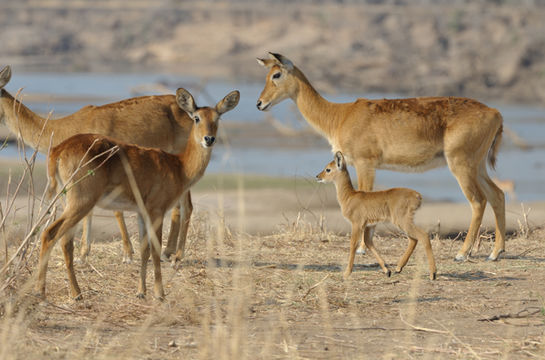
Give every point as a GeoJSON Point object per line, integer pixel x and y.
{"type": "Point", "coordinates": [109, 166]}
{"type": "Point", "coordinates": [362, 208]}
{"type": "Point", "coordinates": [415, 134]}
{"type": "Point", "coordinates": [153, 121]}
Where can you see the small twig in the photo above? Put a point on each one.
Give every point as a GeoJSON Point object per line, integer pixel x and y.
{"type": "Point", "coordinates": [521, 314]}
{"type": "Point", "coordinates": [341, 342]}
{"type": "Point", "coordinates": [421, 328]}
{"type": "Point", "coordinates": [60, 307]}
{"type": "Point", "coordinates": [527, 251]}
{"type": "Point", "coordinates": [95, 270]}
{"type": "Point", "coordinates": [314, 286]}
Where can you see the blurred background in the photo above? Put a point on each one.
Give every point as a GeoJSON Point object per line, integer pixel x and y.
{"type": "Point", "coordinates": [67, 54]}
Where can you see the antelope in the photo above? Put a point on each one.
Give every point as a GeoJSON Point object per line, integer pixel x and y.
{"type": "Point", "coordinates": [361, 208]}
{"type": "Point", "coordinates": [153, 121]}
{"type": "Point", "coordinates": [414, 134]}
{"type": "Point", "coordinates": [127, 177]}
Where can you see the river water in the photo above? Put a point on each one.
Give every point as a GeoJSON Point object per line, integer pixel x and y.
{"type": "Point", "coordinates": [525, 168]}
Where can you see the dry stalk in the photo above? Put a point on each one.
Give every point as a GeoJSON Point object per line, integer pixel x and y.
{"type": "Point", "coordinates": [3, 233]}
{"type": "Point", "coordinates": [418, 328]}
{"type": "Point", "coordinates": [314, 287]}
{"type": "Point", "coordinates": [152, 235]}
{"type": "Point", "coordinates": [524, 227]}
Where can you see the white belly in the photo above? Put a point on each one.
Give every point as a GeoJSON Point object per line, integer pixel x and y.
{"type": "Point", "coordinates": [433, 163]}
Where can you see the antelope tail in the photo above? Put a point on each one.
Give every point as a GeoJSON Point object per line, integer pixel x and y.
{"type": "Point", "coordinates": [494, 148]}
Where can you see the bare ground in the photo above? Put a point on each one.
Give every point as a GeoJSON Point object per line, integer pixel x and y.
{"type": "Point", "coordinates": [282, 295]}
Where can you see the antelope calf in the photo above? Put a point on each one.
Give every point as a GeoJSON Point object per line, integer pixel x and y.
{"type": "Point", "coordinates": [100, 171]}
{"type": "Point", "coordinates": [362, 208]}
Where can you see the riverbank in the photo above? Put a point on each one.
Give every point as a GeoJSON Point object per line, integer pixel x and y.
{"type": "Point", "coordinates": [489, 50]}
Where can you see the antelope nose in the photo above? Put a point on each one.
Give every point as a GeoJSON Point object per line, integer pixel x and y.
{"type": "Point", "coordinates": [209, 140]}
{"type": "Point", "coordinates": [259, 104]}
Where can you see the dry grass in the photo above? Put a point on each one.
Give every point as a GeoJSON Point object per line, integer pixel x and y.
{"type": "Point", "coordinates": [239, 296]}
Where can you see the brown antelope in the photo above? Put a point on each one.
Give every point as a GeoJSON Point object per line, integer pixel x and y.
{"type": "Point", "coordinates": [361, 208]}
{"type": "Point", "coordinates": [413, 134]}
{"type": "Point", "coordinates": [153, 121]}
{"type": "Point", "coordinates": [119, 176]}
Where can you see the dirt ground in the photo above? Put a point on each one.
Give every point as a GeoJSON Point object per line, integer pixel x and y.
{"type": "Point", "coordinates": [280, 294]}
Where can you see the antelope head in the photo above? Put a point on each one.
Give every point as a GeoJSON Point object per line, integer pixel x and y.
{"type": "Point", "coordinates": [332, 169]}
{"type": "Point", "coordinates": [280, 82]}
{"type": "Point", "coordinates": [205, 118]}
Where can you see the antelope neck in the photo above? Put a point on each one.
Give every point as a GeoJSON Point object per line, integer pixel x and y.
{"type": "Point", "coordinates": [194, 159]}
{"type": "Point", "coordinates": [323, 115]}
{"type": "Point", "coordinates": [344, 187]}
{"type": "Point", "coordinates": [21, 120]}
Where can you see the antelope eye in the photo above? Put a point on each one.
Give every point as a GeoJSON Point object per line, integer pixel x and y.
{"type": "Point", "coordinates": [197, 119]}
{"type": "Point", "coordinates": [276, 75]}
{"type": "Point", "coordinates": [327, 170]}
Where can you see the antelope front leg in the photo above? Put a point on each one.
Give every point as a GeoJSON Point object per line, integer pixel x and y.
{"type": "Point", "coordinates": [173, 235]}
{"type": "Point", "coordinates": [144, 255]}
{"type": "Point", "coordinates": [366, 178]}
{"type": "Point", "coordinates": [187, 206]}
{"type": "Point", "coordinates": [150, 246]}
{"type": "Point", "coordinates": [155, 246]}
{"type": "Point", "coordinates": [356, 235]}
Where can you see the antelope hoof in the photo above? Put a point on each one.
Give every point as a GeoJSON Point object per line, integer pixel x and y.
{"type": "Point", "coordinates": [165, 257]}
{"type": "Point", "coordinates": [388, 273]}
{"type": "Point", "coordinates": [496, 257]}
{"type": "Point", "coordinates": [127, 260]}
{"type": "Point", "coordinates": [460, 258]}
{"type": "Point", "coordinates": [78, 297]}
{"type": "Point", "coordinates": [433, 276]}
{"type": "Point", "coordinates": [398, 270]}
{"type": "Point", "coordinates": [360, 251]}
{"type": "Point", "coordinates": [346, 275]}
{"type": "Point", "coordinates": [141, 296]}
{"type": "Point", "coordinates": [175, 263]}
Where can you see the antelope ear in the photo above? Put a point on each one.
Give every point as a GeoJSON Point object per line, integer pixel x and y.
{"type": "Point", "coordinates": [185, 101]}
{"type": "Point", "coordinates": [339, 160]}
{"type": "Point", "coordinates": [5, 76]}
{"type": "Point", "coordinates": [268, 63]}
{"type": "Point", "coordinates": [229, 102]}
{"type": "Point", "coordinates": [282, 61]}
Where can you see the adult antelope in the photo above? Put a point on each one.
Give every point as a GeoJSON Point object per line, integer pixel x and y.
{"type": "Point", "coordinates": [152, 121]}
{"type": "Point", "coordinates": [414, 134]}
{"type": "Point", "coordinates": [100, 171]}
{"type": "Point", "coordinates": [361, 208]}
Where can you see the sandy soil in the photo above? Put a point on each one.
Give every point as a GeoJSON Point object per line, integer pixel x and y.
{"type": "Point", "coordinates": [262, 279]}
{"type": "Point", "coordinates": [282, 296]}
